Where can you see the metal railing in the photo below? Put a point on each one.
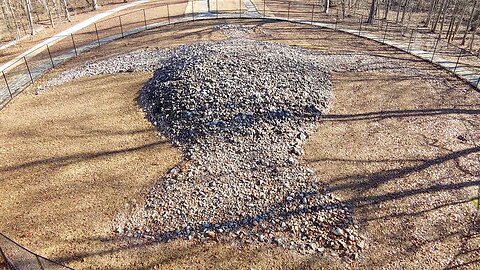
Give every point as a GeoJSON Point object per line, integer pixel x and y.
{"type": "Point", "coordinates": [16, 257]}
{"type": "Point", "coordinates": [27, 70]}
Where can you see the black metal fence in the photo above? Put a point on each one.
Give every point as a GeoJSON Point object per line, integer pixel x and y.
{"type": "Point", "coordinates": [16, 257]}
{"type": "Point", "coordinates": [27, 70]}
{"type": "Point", "coordinates": [419, 41]}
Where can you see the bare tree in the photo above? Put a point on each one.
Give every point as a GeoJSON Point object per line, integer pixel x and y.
{"type": "Point", "coordinates": [405, 6]}
{"type": "Point", "coordinates": [28, 12]}
{"type": "Point", "coordinates": [399, 7]}
{"type": "Point", "coordinates": [65, 10]}
{"type": "Point", "coordinates": [373, 11]}
{"type": "Point", "coordinates": [455, 15]}
{"type": "Point", "coordinates": [94, 4]}
{"type": "Point", "coordinates": [6, 18]}
{"type": "Point", "coordinates": [387, 8]}
{"type": "Point", "coordinates": [343, 9]}
{"type": "Point", "coordinates": [14, 19]}
{"type": "Point", "coordinates": [439, 13]}
{"type": "Point", "coordinates": [470, 20]}
{"type": "Point", "coordinates": [48, 11]}
{"type": "Point", "coordinates": [430, 12]}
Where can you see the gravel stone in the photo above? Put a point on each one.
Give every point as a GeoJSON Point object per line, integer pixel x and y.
{"type": "Point", "coordinates": [240, 110]}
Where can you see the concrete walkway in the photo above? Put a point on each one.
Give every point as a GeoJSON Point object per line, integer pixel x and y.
{"type": "Point", "coordinates": [58, 37]}
{"type": "Point", "coordinates": [470, 76]}
{"type": "Point", "coordinates": [19, 81]}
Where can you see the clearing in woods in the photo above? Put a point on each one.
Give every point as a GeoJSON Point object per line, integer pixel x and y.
{"type": "Point", "coordinates": [398, 148]}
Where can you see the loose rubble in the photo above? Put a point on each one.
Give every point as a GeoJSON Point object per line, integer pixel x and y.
{"type": "Point", "coordinates": [142, 60]}
{"type": "Point", "coordinates": [240, 110]}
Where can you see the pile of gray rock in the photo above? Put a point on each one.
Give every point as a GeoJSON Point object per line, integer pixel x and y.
{"type": "Point", "coordinates": [142, 60]}
{"type": "Point", "coordinates": [240, 110]}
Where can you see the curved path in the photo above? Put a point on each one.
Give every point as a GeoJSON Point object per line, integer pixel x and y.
{"type": "Point", "coordinates": [38, 70]}
{"type": "Point", "coordinates": [66, 33]}
{"type": "Point", "coordinates": [11, 85]}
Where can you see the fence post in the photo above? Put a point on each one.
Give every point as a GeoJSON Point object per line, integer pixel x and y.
{"type": "Point", "coordinates": [313, 8]}
{"type": "Point", "coordinates": [288, 12]}
{"type": "Point", "coordinates": [360, 27]}
{"type": "Point", "coordinates": [193, 11]}
{"type": "Point", "coordinates": [240, 8]}
{"type": "Point", "coordinates": [28, 68]}
{"type": "Point", "coordinates": [145, 19]}
{"type": "Point", "coordinates": [121, 26]}
{"type": "Point", "coordinates": [458, 60]}
{"type": "Point", "coordinates": [50, 55]}
{"type": "Point", "coordinates": [74, 47]}
{"type": "Point", "coordinates": [39, 262]}
{"type": "Point", "coordinates": [264, 8]}
{"type": "Point", "coordinates": [336, 19]}
{"type": "Point", "coordinates": [478, 190]}
{"type": "Point", "coordinates": [168, 13]}
{"type": "Point", "coordinates": [8, 86]}
{"type": "Point", "coordinates": [435, 48]}
{"type": "Point", "coordinates": [410, 41]}
{"type": "Point", "coordinates": [5, 259]}
{"type": "Point", "coordinates": [96, 31]}
{"type": "Point", "coordinates": [385, 33]}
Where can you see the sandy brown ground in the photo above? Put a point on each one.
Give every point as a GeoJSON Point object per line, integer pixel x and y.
{"type": "Point", "coordinates": [395, 147]}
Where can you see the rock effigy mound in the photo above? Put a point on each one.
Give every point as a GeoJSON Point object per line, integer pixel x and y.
{"type": "Point", "coordinates": [240, 110]}
{"type": "Point", "coordinates": [235, 88]}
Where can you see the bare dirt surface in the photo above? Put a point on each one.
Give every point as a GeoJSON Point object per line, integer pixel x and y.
{"type": "Point", "coordinates": [398, 148]}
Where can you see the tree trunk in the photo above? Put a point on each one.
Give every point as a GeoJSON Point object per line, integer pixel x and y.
{"type": "Point", "coordinates": [343, 9]}
{"type": "Point", "coordinates": [28, 11]}
{"type": "Point", "coordinates": [444, 15]}
{"type": "Point", "coordinates": [94, 5]}
{"type": "Point", "coordinates": [469, 24]}
{"type": "Point", "coordinates": [464, 10]}
{"type": "Point", "coordinates": [474, 33]}
{"type": "Point", "coordinates": [430, 12]}
{"type": "Point", "coordinates": [437, 19]}
{"type": "Point", "coordinates": [57, 10]}
{"type": "Point", "coordinates": [14, 19]}
{"type": "Point", "coordinates": [407, 2]}
{"type": "Point", "coordinates": [398, 13]}
{"type": "Point", "coordinates": [47, 10]}
{"type": "Point", "coordinates": [6, 19]}
{"type": "Point", "coordinates": [65, 10]}
{"type": "Point", "coordinates": [387, 8]}
{"type": "Point", "coordinates": [450, 28]}
{"type": "Point", "coordinates": [326, 6]}
{"type": "Point", "coordinates": [373, 11]}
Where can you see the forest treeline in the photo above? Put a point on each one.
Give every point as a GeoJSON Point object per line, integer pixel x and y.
{"type": "Point", "coordinates": [24, 17]}
{"type": "Point", "coordinates": [453, 19]}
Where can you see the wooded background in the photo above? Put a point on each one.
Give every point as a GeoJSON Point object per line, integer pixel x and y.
{"type": "Point", "coordinates": [454, 20]}
{"type": "Point", "coordinates": [25, 17]}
